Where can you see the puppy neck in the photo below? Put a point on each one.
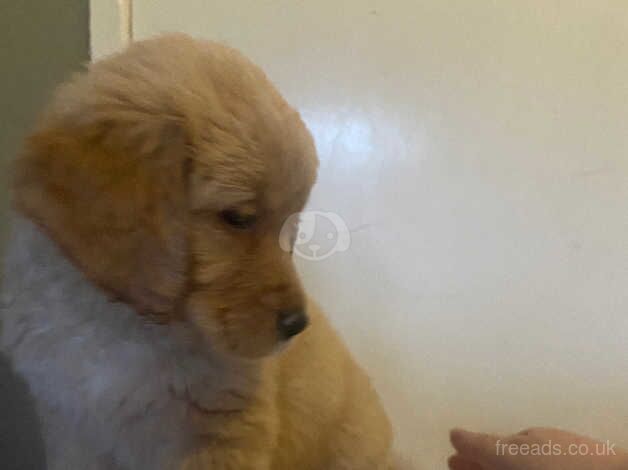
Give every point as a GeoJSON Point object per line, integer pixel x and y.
{"type": "Point", "coordinates": [43, 289]}
{"type": "Point", "coordinates": [102, 367]}
{"type": "Point", "coordinates": [35, 268]}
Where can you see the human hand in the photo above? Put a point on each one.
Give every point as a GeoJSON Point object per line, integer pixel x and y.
{"type": "Point", "coordinates": [534, 449]}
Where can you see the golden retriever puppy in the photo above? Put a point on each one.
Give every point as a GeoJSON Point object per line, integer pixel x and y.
{"type": "Point", "coordinates": [149, 304]}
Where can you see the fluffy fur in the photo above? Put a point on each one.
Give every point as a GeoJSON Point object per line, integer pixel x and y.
{"type": "Point", "coordinates": [144, 322]}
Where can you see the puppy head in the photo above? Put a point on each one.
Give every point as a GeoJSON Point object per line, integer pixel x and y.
{"type": "Point", "coordinates": [166, 173]}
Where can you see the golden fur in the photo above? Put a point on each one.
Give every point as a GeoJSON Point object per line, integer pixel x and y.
{"type": "Point", "coordinates": [131, 171]}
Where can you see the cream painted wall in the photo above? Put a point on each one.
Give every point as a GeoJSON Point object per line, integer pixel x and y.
{"type": "Point", "coordinates": [478, 151]}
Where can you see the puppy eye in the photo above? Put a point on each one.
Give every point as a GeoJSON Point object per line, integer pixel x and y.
{"type": "Point", "coordinates": [237, 219]}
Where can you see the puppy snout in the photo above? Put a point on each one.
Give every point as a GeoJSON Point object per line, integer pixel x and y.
{"type": "Point", "coordinates": [291, 322]}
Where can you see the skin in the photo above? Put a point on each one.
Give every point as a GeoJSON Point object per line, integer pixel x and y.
{"type": "Point", "coordinates": [477, 451]}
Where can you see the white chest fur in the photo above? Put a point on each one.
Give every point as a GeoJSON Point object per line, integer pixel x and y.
{"type": "Point", "coordinates": [112, 390]}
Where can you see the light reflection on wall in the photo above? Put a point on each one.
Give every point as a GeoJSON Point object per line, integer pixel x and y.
{"type": "Point", "coordinates": [345, 135]}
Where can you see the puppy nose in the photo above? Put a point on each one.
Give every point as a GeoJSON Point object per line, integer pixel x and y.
{"type": "Point", "coordinates": [291, 323]}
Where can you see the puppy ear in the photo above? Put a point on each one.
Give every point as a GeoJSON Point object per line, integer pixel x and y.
{"type": "Point", "coordinates": [109, 186]}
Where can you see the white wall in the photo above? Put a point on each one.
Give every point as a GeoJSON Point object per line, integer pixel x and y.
{"type": "Point", "coordinates": [479, 151]}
